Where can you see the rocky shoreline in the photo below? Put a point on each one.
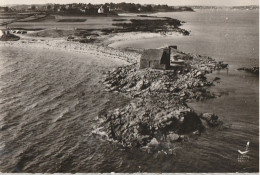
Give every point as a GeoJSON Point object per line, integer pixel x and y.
{"type": "Point", "coordinates": [162, 25]}
{"type": "Point", "coordinates": [254, 70]}
{"type": "Point", "coordinates": [157, 116]}
{"type": "Point", "coordinates": [5, 35]}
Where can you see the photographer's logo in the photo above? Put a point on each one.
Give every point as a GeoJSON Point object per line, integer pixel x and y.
{"type": "Point", "coordinates": [243, 157]}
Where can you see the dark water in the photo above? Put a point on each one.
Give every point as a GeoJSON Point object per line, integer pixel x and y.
{"type": "Point", "coordinates": [49, 101]}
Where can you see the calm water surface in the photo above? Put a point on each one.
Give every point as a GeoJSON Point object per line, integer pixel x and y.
{"type": "Point", "coordinates": [232, 36]}
{"type": "Point", "coordinates": [49, 101]}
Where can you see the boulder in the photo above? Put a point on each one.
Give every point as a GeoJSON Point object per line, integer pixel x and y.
{"type": "Point", "coordinates": [216, 78]}
{"type": "Point", "coordinates": [153, 143]}
{"type": "Point", "coordinates": [211, 119]}
{"type": "Point", "coordinates": [173, 137]}
{"type": "Point", "coordinates": [199, 73]}
{"type": "Point", "coordinates": [254, 70]}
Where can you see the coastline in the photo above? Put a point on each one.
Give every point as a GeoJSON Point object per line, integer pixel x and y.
{"type": "Point", "coordinates": [63, 45]}
{"type": "Point", "coordinates": [99, 51]}
{"type": "Point", "coordinates": [158, 117]}
{"type": "Point", "coordinates": [112, 40]}
{"type": "Point", "coordinates": [131, 57]}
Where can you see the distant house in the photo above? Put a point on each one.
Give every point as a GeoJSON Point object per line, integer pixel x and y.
{"type": "Point", "coordinates": [107, 9]}
{"type": "Point", "coordinates": [156, 58]}
{"type": "Point", "coordinates": [101, 10]}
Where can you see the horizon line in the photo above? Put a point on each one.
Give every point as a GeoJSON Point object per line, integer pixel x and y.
{"type": "Point", "coordinates": [132, 3]}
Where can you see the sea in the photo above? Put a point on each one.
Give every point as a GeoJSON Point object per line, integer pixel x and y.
{"type": "Point", "coordinates": [49, 102]}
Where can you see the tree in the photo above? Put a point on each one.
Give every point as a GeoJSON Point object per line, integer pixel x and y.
{"type": "Point", "coordinates": [6, 9]}
{"type": "Point", "coordinates": [33, 7]}
{"type": "Point", "coordinates": [149, 8]}
{"type": "Point", "coordinates": [48, 7]}
{"type": "Point", "coordinates": [133, 9]}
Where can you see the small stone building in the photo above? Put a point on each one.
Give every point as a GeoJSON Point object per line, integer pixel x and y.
{"type": "Point", "coordinates": [156, 58]}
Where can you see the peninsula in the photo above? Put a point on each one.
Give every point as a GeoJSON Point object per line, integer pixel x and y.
{"type": "Point", "coordinates": [156, 115]}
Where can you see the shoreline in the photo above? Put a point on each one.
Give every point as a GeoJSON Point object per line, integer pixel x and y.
{"type": "Point", "coordinates": [158, 116]}
{"type": "Point", "coordinates": [191, 85]}
{"type": "Point", "coordinates": [121, 37]}
{"type": "Point", "coordinates": [62, 44]}
{"type": "Point", "coordinates": [104, 101]}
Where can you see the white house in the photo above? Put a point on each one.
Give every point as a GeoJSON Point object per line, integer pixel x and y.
{"type": "Point", "coordinates": [101, 10]}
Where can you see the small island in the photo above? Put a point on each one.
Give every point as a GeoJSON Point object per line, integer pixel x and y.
{"type": "Point", "coordinates": [158, 116]}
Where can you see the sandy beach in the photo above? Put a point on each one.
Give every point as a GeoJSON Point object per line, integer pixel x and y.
{"type": "Point", "coordinates": [120, 38]}
{"type": "Point", "coordinates": [61, 44]}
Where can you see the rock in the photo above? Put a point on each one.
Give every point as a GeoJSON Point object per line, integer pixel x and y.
{"type": "Point", "coordinates": [205, 124]}
{"type": "Point", "coordinates": [212, 119]}
{"type": "Point", "coordinates": [7, 36]}
{"type": "Point", "coordinates": [216, 78]}
{"type": "Point", "coordinates": [199, 74]}
{"type": "Point", "coordinates": [184, 138]}
{"type": "Point", "coordinates": [173, 137]}
{"type": "Point", "coordinates": [208, 116]}
{"type": "Point", "coordinates": [197, 132]}
{"type": "Point", "coordinates": [153, 143]}
{"type": "Point", "coordinates": [254, 70]}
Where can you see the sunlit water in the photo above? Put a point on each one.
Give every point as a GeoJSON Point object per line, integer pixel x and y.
{"type": "Point", "coordinates": [49, 101]}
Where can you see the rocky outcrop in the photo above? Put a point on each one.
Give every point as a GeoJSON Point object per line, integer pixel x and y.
{"type": "Point", "coordinates": [212, 120]}
{"type": "Point", "coordinates": [141, 83]}
{"type": "Point", "coordinates": [152, 25]}
{"type": "Point", "coordinates": [187, 83]}
{"type": "Point", "coordinates": [137, 123]}
{"type": "Point", "coordinates": [254, 70]}
{"type": "Point", "coordinates": [157, 116]}
{"type": "Point", "coordinates": [7, 36]}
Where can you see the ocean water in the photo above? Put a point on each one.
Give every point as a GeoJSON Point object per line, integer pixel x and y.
{"type": "Point", "coordinates": [228, 35]}
{"type": "Point", "coordinates": [231, 36]}
{"type": "Point", "coordinates": [49, 101]}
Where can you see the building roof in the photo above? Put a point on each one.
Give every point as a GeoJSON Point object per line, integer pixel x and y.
{"type": "Point", "coordinates": [152, 54]}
